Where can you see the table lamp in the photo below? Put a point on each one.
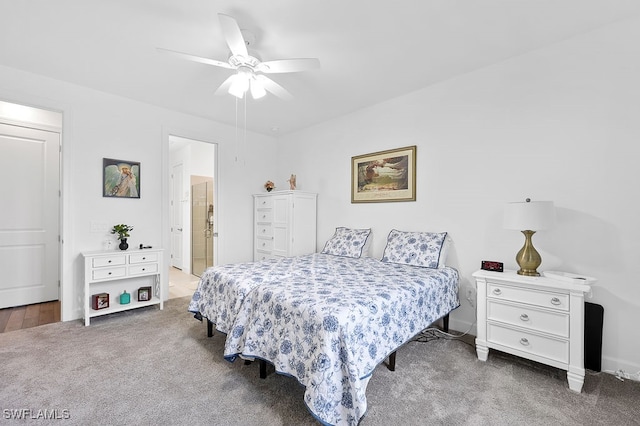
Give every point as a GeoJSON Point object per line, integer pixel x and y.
{"type": "Point", "coordinates": [529, 217]}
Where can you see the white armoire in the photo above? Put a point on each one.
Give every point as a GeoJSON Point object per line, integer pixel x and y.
{"type": "Point", "coordinates": [284, 224]}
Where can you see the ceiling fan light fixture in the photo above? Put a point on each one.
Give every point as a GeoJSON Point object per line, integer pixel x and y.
{"type": "Point", "coordinates": [239, 86]}
{"type": "Point", "coordinates": [257, 89]}
{"type": "Point", "coordinates": [247, 64]}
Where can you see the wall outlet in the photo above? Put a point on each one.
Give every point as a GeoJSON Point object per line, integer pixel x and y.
{"type": "Point", "coordinates": [471, 297]}
{"type": "Point", "coordinates": [99, 226]}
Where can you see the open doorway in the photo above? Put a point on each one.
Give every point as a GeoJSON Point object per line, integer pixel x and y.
{"type": "Point", "coordinates": [193, 212]}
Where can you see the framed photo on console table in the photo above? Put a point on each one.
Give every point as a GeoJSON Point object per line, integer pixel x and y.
{"type": "Point", "coordinates": [100, 301]}
{"type": "Point", "coordinates": [144, 294]}
{"type": "Point", "coordinates": [384, 176]}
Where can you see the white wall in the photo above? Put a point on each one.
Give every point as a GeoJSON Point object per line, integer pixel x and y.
{"type": "Point", "coordinates": [557, 124]}
{"type": "Point", "coordinates": [97, 125]}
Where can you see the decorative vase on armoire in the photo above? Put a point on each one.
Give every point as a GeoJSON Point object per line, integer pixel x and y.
{"type": "Point", "coordinates": [123, 244]}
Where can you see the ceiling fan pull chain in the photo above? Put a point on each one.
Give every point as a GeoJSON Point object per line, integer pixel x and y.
{"type": "Point", "coordinates": [244, 141]}
{"type": "Point", "coordinates": [236, 144]}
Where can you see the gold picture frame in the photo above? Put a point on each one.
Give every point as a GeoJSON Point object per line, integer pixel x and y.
{"type": "Point", "coordinates": [384, 176]}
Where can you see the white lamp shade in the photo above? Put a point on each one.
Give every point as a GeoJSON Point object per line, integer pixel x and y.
{"type": "Point", "coordinates": [529, 216]}
{"type": "Point", "coordinates": [239, 85]}
{"type": "Point", "coordinates": [257, 89]}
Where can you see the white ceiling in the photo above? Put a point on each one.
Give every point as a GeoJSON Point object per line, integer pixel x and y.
{"type": "Point", "coordinates": [369, 50]}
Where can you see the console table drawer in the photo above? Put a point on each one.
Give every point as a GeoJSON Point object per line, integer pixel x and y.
{"type": "Point", "coordinates": [546, 321]}
{"type": "Point", "coordinates": [115, 260]}
{"type": "Point", "coordinates": [151, 268]}
{"type": "Point", "coordinates": [105, 273]}
{"type": "Point", "coordinates": [532, 297]}
{"type": "Point", "coordinates": [141, 258]}
{"type": "Point", "coordinates": [547, 347]}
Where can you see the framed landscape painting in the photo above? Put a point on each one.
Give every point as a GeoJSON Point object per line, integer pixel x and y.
{"type": "Point", "coordinates": [120, 179]}
{"type": "Point", "coordinates": [384, 176]}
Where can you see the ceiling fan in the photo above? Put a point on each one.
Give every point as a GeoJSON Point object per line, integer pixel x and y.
{"type": "Point", "coordinates": [250, 70]}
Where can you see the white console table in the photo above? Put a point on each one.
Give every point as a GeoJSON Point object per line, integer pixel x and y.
{"type": "Point", "coordinates": [113, 272]}
{"type": "Point", "coordinates": [538, 318]}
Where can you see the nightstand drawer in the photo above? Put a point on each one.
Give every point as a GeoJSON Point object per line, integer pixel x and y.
{"type": "Point", "coordinates": [546, 321]}
{"type": "Point", "coordinates": [522, 341]}
{"type": "Point", "coordinates": [544, 299]}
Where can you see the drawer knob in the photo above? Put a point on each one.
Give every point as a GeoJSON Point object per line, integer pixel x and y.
{"type": "Point", "coordinates": [524, 317]}
{"type": "Point", "coordinates": [144, 269]}
{"type": "Point", "coordinates": [497, 292]}
{"type": "Point", "coordinates": [144, 258]}
{"type": "Point", "coordinates": [264, 216]}
{"type": "Point", "coordinates": [109, 262]}
{"type": "Point", "coordinates": [109, 273]}
{"type": "Point", "coordinates": [264, 230]}
{"type": "Point", "coordinates": [555, 301]}
{"type": "Point", "coordinates": [264, 244]}
{"type": "Point", "coordinates": [524, 341]}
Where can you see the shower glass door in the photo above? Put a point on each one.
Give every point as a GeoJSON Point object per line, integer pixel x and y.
{"type": "Point", "coordinates": [201, 227]}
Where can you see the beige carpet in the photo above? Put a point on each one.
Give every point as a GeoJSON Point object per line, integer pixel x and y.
{"type": "Point", "coordinates": [151, 367]}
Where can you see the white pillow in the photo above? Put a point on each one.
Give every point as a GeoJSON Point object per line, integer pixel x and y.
{"type": "Point", "coordinates": [347, 242]}
{"type": "Point", "coordinates": [422, 249]}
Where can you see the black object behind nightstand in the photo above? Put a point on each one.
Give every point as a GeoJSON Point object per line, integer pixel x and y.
{"type": "Point", "coordinates": [593, 321]}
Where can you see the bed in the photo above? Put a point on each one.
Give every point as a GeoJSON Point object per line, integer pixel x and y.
{"type": "Point", "coordinates": [325, 319]}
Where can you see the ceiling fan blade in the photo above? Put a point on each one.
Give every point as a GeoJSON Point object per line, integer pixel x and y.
{"type": "Point", "coordinates": [197, 58]}
{"type": "Point", "coordinates": [232, 35]}
{"type": "Point", "coordinates": [273, 87]}
{"type": "Point", "coordinates": [288, 65]}
{"type": "Point", "coordinates": [224, 87]}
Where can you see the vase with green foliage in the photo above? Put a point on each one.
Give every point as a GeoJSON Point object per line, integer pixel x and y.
{"type": "Point", "coordinates": [123, 233]}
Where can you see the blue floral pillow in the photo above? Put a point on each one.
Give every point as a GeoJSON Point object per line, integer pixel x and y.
{"type": "Point", "coordinates": [414, 248]}
{"type": "Point", "coordinates": [347, 242]}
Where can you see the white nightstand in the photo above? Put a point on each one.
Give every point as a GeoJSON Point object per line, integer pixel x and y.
{"type": "Point", "coordinates": [538, 318]}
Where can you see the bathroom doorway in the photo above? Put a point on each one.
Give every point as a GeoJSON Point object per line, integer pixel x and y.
{"type": "Point", "coordinates": [202, 224]}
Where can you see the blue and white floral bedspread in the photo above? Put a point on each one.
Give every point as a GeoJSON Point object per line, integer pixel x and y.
{"type": "Point", "coordinates": [222, 289]}
{"type": "Point", "coordinates": [329, 321]}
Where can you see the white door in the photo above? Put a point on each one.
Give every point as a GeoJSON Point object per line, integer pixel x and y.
{"type": "Point", "coordinates": [176, 216]}
{"type": "Point", "coordinates": [29, 218]}
{"type": "Point", "coordinates": [282, 225]}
